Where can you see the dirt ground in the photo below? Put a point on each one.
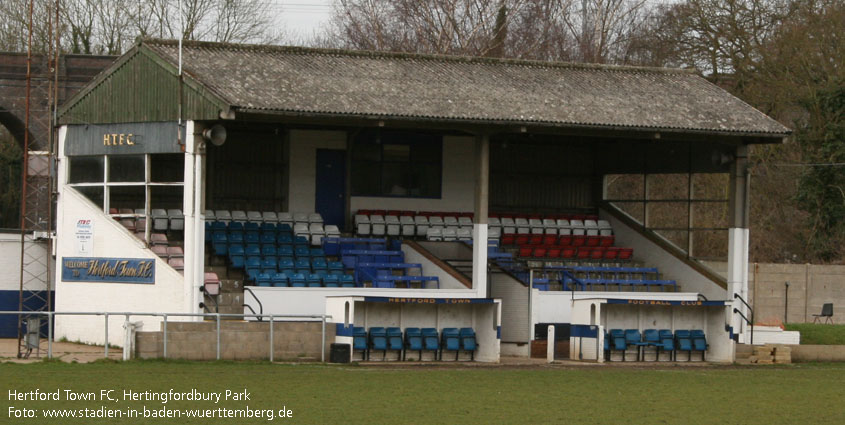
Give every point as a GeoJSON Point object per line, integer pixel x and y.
{"type": "Point", "coordinates": [65, 351]}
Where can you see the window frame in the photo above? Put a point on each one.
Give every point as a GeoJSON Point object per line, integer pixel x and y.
{"type": "Point", "coordinates": [406, 138]}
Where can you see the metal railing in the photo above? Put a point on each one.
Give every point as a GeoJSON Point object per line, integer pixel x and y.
{"type": "Point", "coordinates": [217, 316]}
{"type": "Point", "coordinates": [749, 322]}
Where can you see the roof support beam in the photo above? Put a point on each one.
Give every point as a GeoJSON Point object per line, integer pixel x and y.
{"type": "Point", "coordinates": [482, 201]}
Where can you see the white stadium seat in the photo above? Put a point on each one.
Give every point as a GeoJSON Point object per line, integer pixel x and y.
{"type": "Point", "coordinates": [239, 216]}
{"type": "Point", "coordinates": [450, 221]}
{"type": "Point", "coordinates": [536, 226]}
{"type": "Point", "coordinates": [465, 222]}
{"type": "Point", "coordinates": [301, 229]}
{"type": "Point", "coordinates": [270, 217]}
{"type": "Point", "coordinates": [408, 227]}
{"type": "Point", "coordinates": [317, 232]}
{"type": "Point", "coordinates": [315, 218]}
{"type": "Point", "coordinates": [450, 234]}
{"type": "Point", "coordinates": [421, 222]}
{"type": "Point", "coordinates": [209, 215]}
{"type": "Point", "coordinates": [577, 227]}
{"type": "Point", "coordinates": [591, 227]}
{"type": "Point", "coordinates": [362, 224]}
{"type": "Point", "coordinates": [332, 231]}
{"type": "Point", "coordinates": [377, 225]}
{"type": "Point", "coordinates": [494, 233]}
{"type": "Point", "coordinates": [300, 217]}
{"type": "Point", "coordinates": [393, 226]}
{"type": "Point", "coordinates": [223, 215]}
{"type": "Point", "coordinates": [605, 228]}
{"type": "Point", "coordinates": [435, 221]}
{"type": "Point", "coordinates": [550, 226]}
{"type": "Point", "coordinates": [522, 226]}
{"type": "Point", "coordinates": [254, 217]}
{"type": "Point", "coordinates": [464, 234]}
{"type": "Point", "coordinates": [508, 225]}
{"type": "Point", "coordinates": [563, 227]}
{"type": "Point", "coordinates": [285, 218]}
{"type": "Point", "coordinates": [434, 234]}
{"type": "Point", "coordinates": [176, 218]}
{"type": "Point", "coordinates": [160, 219]}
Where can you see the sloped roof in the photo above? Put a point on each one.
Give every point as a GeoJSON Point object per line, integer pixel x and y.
{"type": "Point", "coordinates": [461, 89]}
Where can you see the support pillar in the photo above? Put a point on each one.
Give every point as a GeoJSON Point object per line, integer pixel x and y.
{"type": "Point", "coordinates": [738, 241]}
{"type": "Point", "coordinates": [479, 227]}
{"type": "Point", "coordinates": [193, 213]}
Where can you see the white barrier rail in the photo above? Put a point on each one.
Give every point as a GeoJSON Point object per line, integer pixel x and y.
{"type": "Point", "coordinates": [272, 318]}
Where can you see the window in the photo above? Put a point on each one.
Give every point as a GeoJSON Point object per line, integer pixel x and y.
{"type": "Point", "coordinates": [394, 163]}
{"type": "Point", "coordinates": [126, 184]}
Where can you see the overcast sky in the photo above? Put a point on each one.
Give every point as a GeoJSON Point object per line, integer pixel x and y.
{"type": "Point", "coordinates": [302, 17]}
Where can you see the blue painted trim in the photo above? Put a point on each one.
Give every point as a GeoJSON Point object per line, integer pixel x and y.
{"type": "Point", "coordinates": [340, 330]}
{"type": "Point", "coordinates": [403, 300]}
{"type": "Point", "coordinates": [9, 301]}
{"type": "Point", "coordinates": [584, 331]}
{"type": "Point", "coordinates": [498, 332]}
{"type": "Point", "coordinates": [668, 302]}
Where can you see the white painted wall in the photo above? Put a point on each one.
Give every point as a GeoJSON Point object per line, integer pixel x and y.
{"type": "Point", "coordinates": [447, 281]}
{"type": "Point", "coordinates": [458, 175]}
{"type": "Point", "coordinates": [169, 294]}
{"type": "Point", "coordinates": [313, 301]}
{"type": "Point", "coordinates": [302, 183]}
{"type": "Point", "coordinates": [670, 266]}
{"type": "Point", "coordinates": [555, 306]}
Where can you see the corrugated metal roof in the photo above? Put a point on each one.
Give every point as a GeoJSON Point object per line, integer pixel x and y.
{"type": "Point", "coordinates": [461, 89]}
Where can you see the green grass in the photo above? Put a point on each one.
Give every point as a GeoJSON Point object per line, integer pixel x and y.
{"type": "Point", "coordinates": [322, 394]}
{"type": "Point", "coordinates": [817, 334]}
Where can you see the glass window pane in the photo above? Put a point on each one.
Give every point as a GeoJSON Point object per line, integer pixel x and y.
{"type": "Point", "coordinates": [365, 178]}
{"type": "Point", "coordinates": [366, 150]}
{"type": "Point", "coordinates": [166, 197]}
{"type": "Point", "coordinates": [126, 168]}
{"type": "Point", "coordinates": [167, 168]}
{"type": "Point", "coordinates": [394, 179]}
{"type": "Point", "coordinates": [428, 151]}
{"type": "Point", "coordinates": [86, 169]}
{"type": "Point", "coordinates": [133, 197]}
{"type": "Point", "coordinates": [93, 193]}
{"type": "Point", "coordinates": [395, 153]}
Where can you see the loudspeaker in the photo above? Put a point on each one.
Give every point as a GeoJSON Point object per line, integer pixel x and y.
{"type": "Point", "coordinates": [216, 134]}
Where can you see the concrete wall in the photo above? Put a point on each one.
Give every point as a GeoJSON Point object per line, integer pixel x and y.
{"type": "Point", "coordinates": [167, 295]}
{"type": "Point", "coordinates": [810, 286]}
{"type": "Point", "coordinates": [670, 266]}
{"type": "Point", "coordinates": [458, 175]}
{"type": "Point", "coordinates": [238, 341]}
{"type": "Point", "coordinates": [818, 353]}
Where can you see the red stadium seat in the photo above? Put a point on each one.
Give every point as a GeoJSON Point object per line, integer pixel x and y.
{"type": "Point", "coordinates": [584, 253]}
{"type": "Point", "coordinates": [525, 251]}
{"type": "Point", "coordinates": [611, 253]}
{"type": "Point", "coordinates": [539, 252]}
{"type": "Point", "coordinates": [579, 240]}
{"type": "Point", "coordinates": [565, 240]}
{"type": "Point", "coordinates": [567, 252]}
{"type": "Point", "coordinates": [593, 241]}
{"type": "Point", "coordinates": [508, 239]}
{"type": "Point", "coordinates": [550, 240]}
{"type": "Point", "coordinates": [536, 240]}
{"type": "Point", "coordinates": [553, 252]}
{"type": "Point", "coordinates": [522, 240]}
{"type": "Point", "coordinates": [626, 253]}
{"type": "Point", "coordinates": [607, 241]}
{"type": "Point", "coordinates": [597, 254]}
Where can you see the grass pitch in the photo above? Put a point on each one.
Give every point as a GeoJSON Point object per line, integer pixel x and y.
{"type": "Point", "coordinates": [326, 394]}
{"type": "Point", "coordinates": [819, 334]}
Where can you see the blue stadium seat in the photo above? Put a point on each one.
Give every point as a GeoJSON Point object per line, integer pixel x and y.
{"type": "Point", "coordinates": [314, 280]}
{"type": "Point", "coordinates": [284, 239]}
{"type": "Point", "coordinates": [468, 341]}
{"type": "Point", "coordinates": [218, 226]}
{"type": "Point", "coordinates": [297, 280]}
{"type": "Point", "coordinates": [252, 237]}
{"type": "Point", "coordinates": [280, 280]}
{"type": "Point", "coordinates": [634, 338]}
{"type": "Point", "coordinates": [236, 238]}
{"type": "Point", "coordinates": [285, 251]}
{"type": "Point", "coordinates": [359, 342]}
{"type": "Point", "coordinates": [378, 340]}
{"type": "Point", "coordinates": [319, 263]}
{"type": "Point", "coordinates": [302, 265]}
{"type": "Point", "coordinates": [235, 226]}
{"type": "Point", "coordinates": [394, 341]}
{"type": "Point", "coordinates": [606, 346]}
{"type": "Point", "coordinates": [301, 251]}
{"type": "Point", "coordinates": [651, 338]}
{"type": "Point", "coordinates": [335, 266]}
{"type": "Point", "coordinates": [300, 240]}
{"type": "Point", "coordinates": [667, 343]}
{"type": "Point", "coordinates": [331, 281]}
{"type": "Point", "coordinates": [220, 243]}
{"type": "Point", "coordinates": [683, 342]}
{"type": "Point", "coordinates": [318, 252]}
{"type": "Point", "coordinates": [347, 281]}
{"type": "Point", "coordinates": [236, 256]}
{"type": "Point", "coordinates": [268, 238]}
{"type": "Point", "coordinates": [284, 227]}
{"type": "Point", "coordinates": [699, 342]}
{"type": "Point", "coordinates": [253, 268]}
{"type": "Point", "coordinates": [413, 341]}
{"type": "Point", "coordinates": [253, 250]}
{"type": "Point", "coordinates": [264, 280]}
{"type": "Point", "coordinates": [431, 342]}
{"type": "Point", "coordinates": [617, 337]}
{"type": "Point", "coordinates": [450, 341]}
{"type": "Point", "coordinates": [267, 250]}
{"type": "Point", "coordinates": [269, 265]}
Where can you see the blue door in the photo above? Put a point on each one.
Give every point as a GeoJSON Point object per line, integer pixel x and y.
{"type": "Point", "coordinates": [331, 186]}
